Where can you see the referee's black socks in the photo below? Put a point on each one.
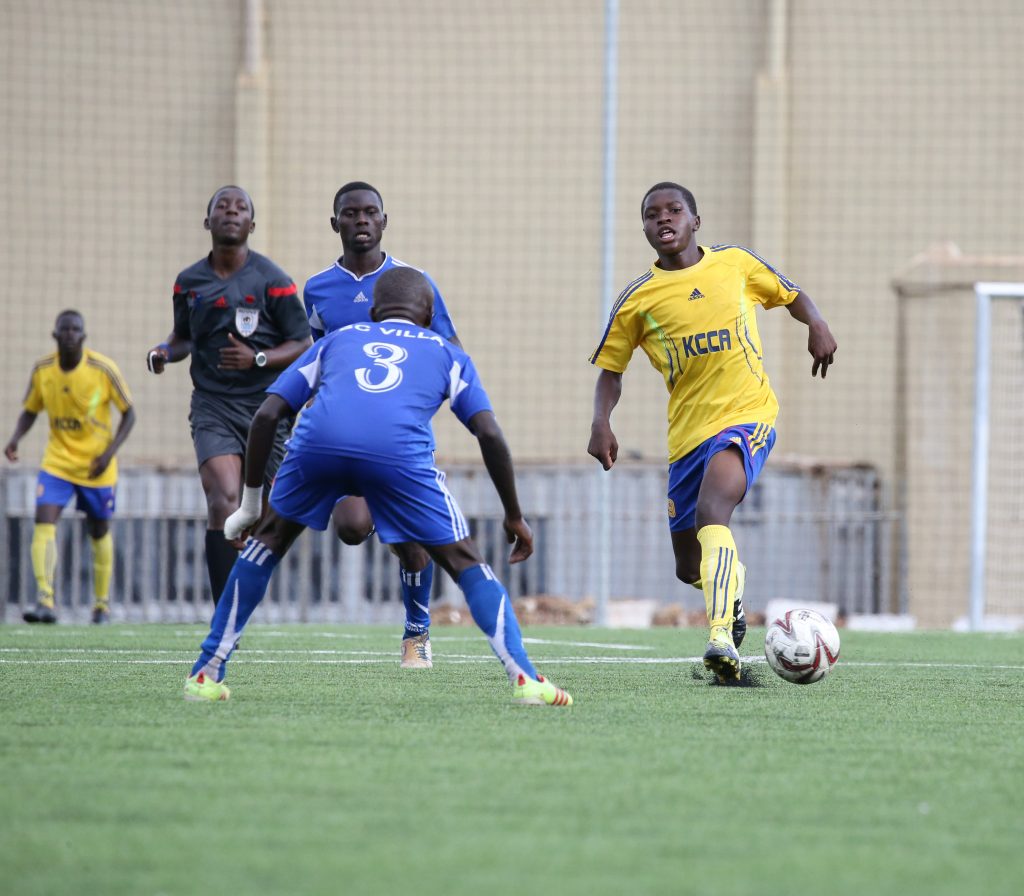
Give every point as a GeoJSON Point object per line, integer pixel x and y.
{"type": "Point", "coordinates": [220, 557]}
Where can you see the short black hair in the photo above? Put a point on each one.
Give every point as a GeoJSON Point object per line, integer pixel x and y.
{"type": "Point", "coordinates": [670, 185]}
{"type": "Point", "coordinates": [402, 288]}
{"type": "Point", "coordinates": [219, 190]}
{"type": "Point", "coordinates": [402, 282]}
{"type": "Point", "coordinates": [68, 312]}
{"type": "Point", "coordinates": [351, 187]}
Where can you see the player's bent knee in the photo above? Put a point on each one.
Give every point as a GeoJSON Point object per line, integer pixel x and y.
{"type": "Point", "coordinates": [412, 556]}
{"type": "Point", "coordinates": [48, 513]}
{"type": "Point", "coordinates": [716, 511]}
{"type": "Point", "coordinates": [353, 535]}
{"type": "Point", "coordinates": [352, 521]}
{"type": "Point", "coordinates": [456, 558]}
{"type": "Point", "coordinates": [687, 572]}
{"type": "Point", "coordinates": [220, 505]}
{"type": "Point", "coordinates": [277, 533]}
{"type": "Point", "coordinates": [97, 528]}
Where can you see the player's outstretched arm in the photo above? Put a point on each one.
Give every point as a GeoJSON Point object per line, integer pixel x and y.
{"type": "Point", "coordinates": [100, 463]}
{"type": "Point", "coordinates": [603, 444]}
{"type": "Point", "coordinates": [820, 341]}
{"type": "Point", "coordinates": [23, 425]}
{"type": "Point", "coordinates": [498, 460]}
{"type": "Point", "coordinates": [257, 452]}
{"type": "Point", "coordinates": [168, 352]}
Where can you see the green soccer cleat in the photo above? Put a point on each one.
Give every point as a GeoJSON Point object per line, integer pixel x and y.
{"type": "Point", "coordinates": [721, 656]}
{"type": "Point", "coordinates": [202, 687]}
{"type": "Point", "coordinates": [541, 692]}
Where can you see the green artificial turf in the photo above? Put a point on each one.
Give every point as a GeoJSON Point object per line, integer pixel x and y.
{"type": "Point", "coordinates": [332, 771]}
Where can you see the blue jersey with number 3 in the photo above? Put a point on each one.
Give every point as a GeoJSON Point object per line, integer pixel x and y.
{"type": "Point", "coordinates": [376, 387]}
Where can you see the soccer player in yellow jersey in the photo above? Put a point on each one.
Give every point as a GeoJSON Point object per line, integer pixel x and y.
{"type": "Point", "coordinates": [693, 315]}
{"type": "Point", "coordinates": [76, 387]}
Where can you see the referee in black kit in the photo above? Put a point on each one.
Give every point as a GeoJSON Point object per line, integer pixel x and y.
{"type": "Point", "coordinates": [241, 319]}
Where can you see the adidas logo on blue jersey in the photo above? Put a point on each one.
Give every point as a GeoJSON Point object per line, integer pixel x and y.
{"type": "Point", "coordinates": [360, 297]}
{"type": "Point", "coordinates": [696, 294]}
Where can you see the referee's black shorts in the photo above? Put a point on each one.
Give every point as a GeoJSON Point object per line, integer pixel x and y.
{"type": "Point", "coordinates": [220, 425]}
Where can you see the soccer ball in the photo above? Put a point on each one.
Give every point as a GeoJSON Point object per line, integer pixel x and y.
{"type": "Point", "coordinates": [802, 646]}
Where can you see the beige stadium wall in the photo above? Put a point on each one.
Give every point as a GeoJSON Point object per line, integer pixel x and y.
{"type": "Point", "coordinates": [482, 125]}
{"type": "Point", "coordinates": [903, 136]}
{"type": "Point", "coordinates": [837, 139]}
{"type": "Point", "coordinates": [936, 397]}
{"type": "Point", "coordinates": [118, 120]}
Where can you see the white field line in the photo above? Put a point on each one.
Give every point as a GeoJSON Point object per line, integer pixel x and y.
{"type": "Point", "coordinates": [114, 656]}
{"type": "Point", "coordinates": [199, 633]}
{"type": "Point", "coordinates": [343, 661]}
{"type": "Point", "coordinates": [74, 631]}
{"type": "Point", "coordinates": [179, 651]}
{"type": "Point", "coordinates": [597, 644]}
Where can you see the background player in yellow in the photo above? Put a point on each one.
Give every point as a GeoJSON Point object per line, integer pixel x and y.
{"type": "Point", "coordinates": [76, 388]}
{"type": "Point", "coordinates": [693, 314]}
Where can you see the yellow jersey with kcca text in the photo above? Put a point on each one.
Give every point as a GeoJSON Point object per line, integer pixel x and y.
{"type": "Point", "coordinates": [77, 403]}
{"type": "Point", "coordinates": [698, 328]}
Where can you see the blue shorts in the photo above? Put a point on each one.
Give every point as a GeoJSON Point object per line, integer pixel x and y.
{"type": "Point", "coordinates": [406, 504]}
{"type": "Point", "coordinates": [96, 502]}
{"type": "Point", "coordinates": [754, 441]}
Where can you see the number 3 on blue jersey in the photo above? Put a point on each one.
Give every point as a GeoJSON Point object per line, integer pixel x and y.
{"type": "Point", "coordinates": [385, 355]}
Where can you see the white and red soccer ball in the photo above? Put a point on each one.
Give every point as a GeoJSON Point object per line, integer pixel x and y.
{"type": "Point", "coordinates": [802, 646]}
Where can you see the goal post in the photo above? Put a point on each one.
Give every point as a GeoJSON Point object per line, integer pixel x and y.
{"type": "Point", "coordinates": [987, 294]}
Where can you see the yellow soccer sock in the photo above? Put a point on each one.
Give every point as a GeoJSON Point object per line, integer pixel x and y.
{"type": "Point", "coordinates": [719, 574]}
{"type": "Point", "coordinates": [102, 567]}
{"type": "Point", "coordinates": [741, 579]}
{"type": "Point", "coordinates": [737, 600]}
{"type": "Point", "coordinates": [44, 560]}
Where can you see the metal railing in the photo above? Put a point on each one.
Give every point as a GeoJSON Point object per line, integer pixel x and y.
{"type": "Point", "coordinates": [808, 532]}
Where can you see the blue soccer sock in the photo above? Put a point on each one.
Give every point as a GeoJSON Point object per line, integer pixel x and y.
{"type": "Point", "coordinates": [243, 592]}
{"type": "Point", "coordinates": [416, 597]}
{"type": "Point", "coordinates": [492, 611]}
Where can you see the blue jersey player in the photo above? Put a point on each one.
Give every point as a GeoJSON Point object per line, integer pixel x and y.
{"type": "Point", "coordinates": [393, 372]}
{"type": "Point", "coordinates": [342, 295]}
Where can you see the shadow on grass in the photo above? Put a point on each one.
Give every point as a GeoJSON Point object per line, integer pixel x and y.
{"type": "Point", "coordinates": [750, 677]}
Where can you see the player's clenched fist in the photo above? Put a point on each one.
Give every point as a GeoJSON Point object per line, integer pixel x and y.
{"type": "Point", "coordinates": [157, 358]}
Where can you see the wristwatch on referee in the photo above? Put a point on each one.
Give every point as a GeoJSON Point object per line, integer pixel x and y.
{"type": "Point", "coordinates": [261, 359]}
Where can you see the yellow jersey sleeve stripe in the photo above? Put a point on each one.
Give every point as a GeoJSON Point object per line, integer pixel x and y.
{"type": "Point", "coordinates": [784, 280]}
{"type": "Point", "coordinates": [35, 407]}
{"type": "Point", "coordinates": [623, 297]}
{"type": "Point", "coordinates": [115, 379]}
{"type": "Point", "coordinates": [627, 292]}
